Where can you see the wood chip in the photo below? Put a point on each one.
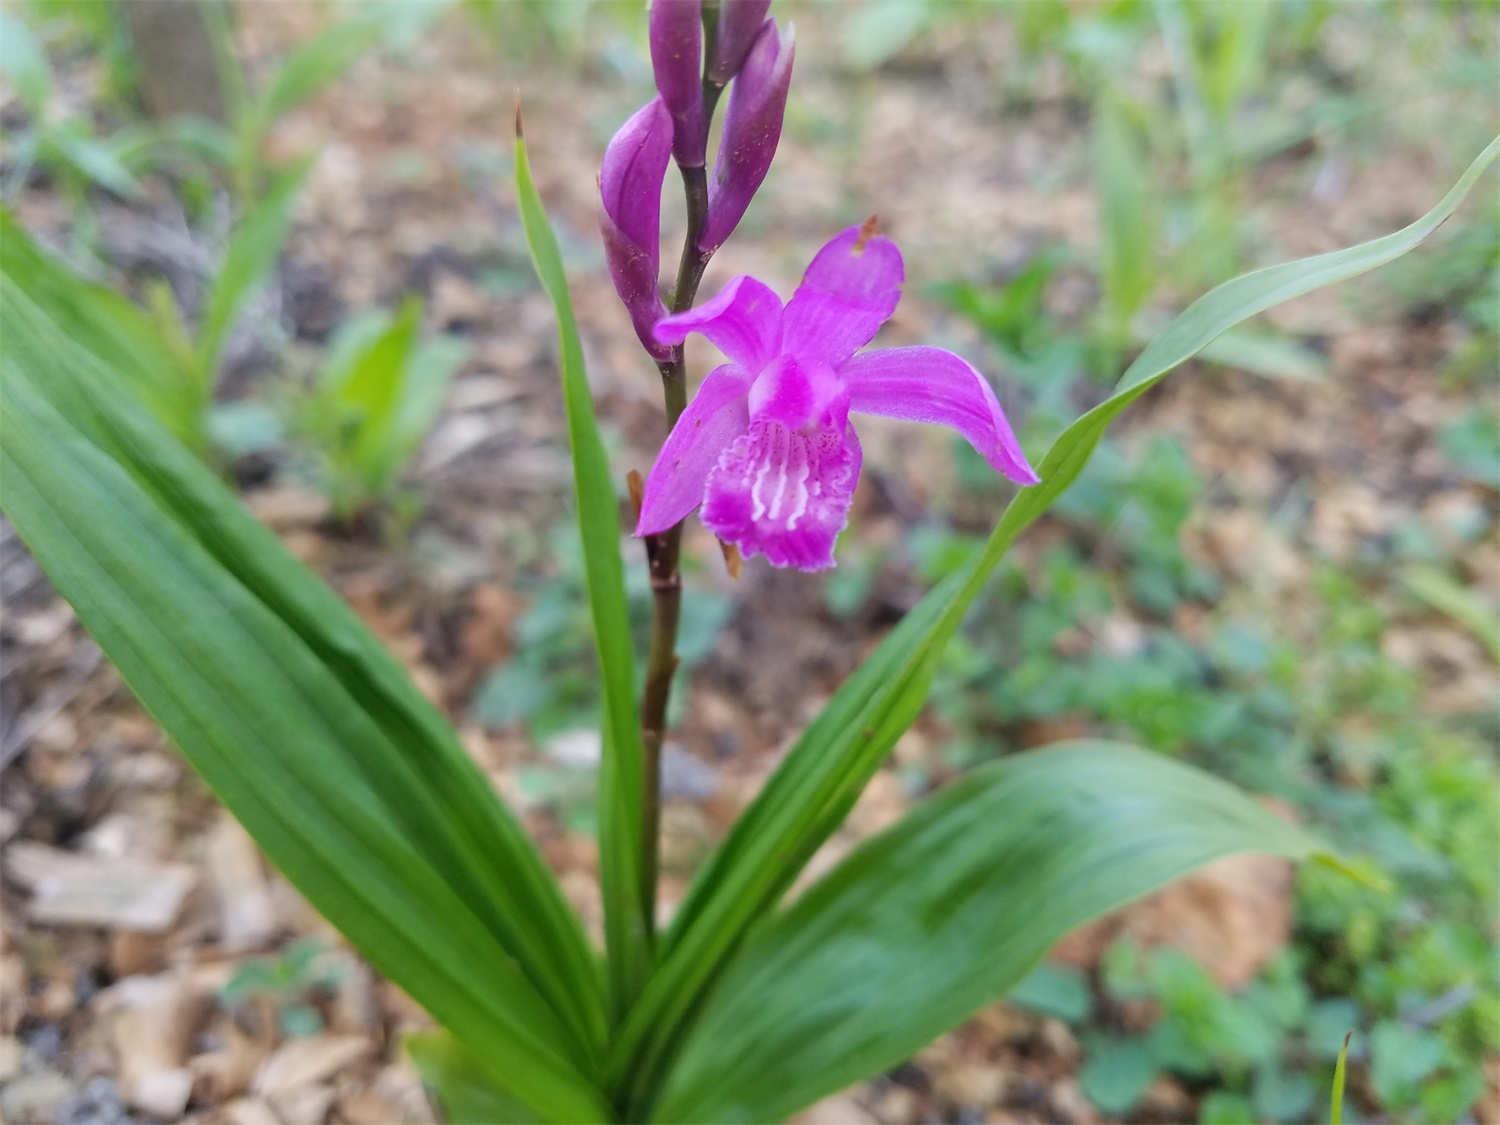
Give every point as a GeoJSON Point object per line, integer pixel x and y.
{"type": "Point", "coordinates": [77, 890]}
{"type": "Point", "coordinates": [247, 912]}
{"type": "Point", "coordinates": [248, 1111]}
{"type": "Point", "coordinates": [305, 1062]}
{"type": "Point", "coordinates": [227, 1072]}
{"type": "Point", "coordinates": [132, 953]}
{"type": "Point", "coordinates": [355, 1008]}
{"type": "Point", "coordinates": [306, 1105]}
{"type": "Point", "coordinates": [162, 1093]}
{"type": "Point", "coordinates": [151, 1022]}
{"type": "Point", "coordinates": [10, 1057]}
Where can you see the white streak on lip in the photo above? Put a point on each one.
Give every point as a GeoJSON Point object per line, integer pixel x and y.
{"type": "Point", "coordinates": [804, 471]}
{"type": "Point", "coordinates": [758, 506]}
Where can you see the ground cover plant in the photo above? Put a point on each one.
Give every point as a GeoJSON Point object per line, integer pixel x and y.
{"type": "Point", "coordinates": [756, 996]}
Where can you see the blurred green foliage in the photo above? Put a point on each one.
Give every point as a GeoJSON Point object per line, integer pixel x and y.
{"type": "Point", "coordinates": [551, 683]}
{"type": "Point", "coordinates": [1089, 634]}
{"type": "Point", "coordinates": [378, 392]}
{"type": "Point", "coordinates": [379, 389]}
{"type": "Point", "coordinates": [289, 983]}
{"type": "Point", "coordinates": [173, 369]}
{"type": "Point", "coordinates": [67, 148]}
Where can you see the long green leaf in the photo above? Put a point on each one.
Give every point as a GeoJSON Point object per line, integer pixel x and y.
{"type": "Point", "coordinates": [822, 776]}
{"type": "Point", "coordinates": [625, 910]}
{"type": "Point", "coordinates": [462, 1085]}
{"type": "Point", "coordinates": [24, 63]}
{"type": "Point", "coordinates": [267, 726]}
{"type": "Point", "coordinates": [254, 247]}
{"type": "Point", "coordinates": [277, 684]}
{"type": "Point", "coordinates": [111, 327]}
{"type": "Point", "coordinates": [1127, 215]}
{"type": "Point", "coordinates": [520, 897]}
{"type": "Point", "coordinates": [931, 920]}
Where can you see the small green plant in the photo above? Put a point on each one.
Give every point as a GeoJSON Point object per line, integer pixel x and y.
{"type": "Point", "coordinates": [172, 369]}
{"type": "Point", "coordinates": [370, 405]}
{"type": "Point", "coordinates": [288, 984]}
{"type": "Point", "coordinates": [253, 109]}
{"type": "Point", "coordinates": [64, 146]}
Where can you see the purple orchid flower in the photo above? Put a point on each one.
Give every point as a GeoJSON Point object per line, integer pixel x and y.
{"type": "Point", "coordinates": [765, 449]}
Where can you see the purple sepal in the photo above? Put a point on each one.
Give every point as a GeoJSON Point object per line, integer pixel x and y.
{"type": "Point", "coordinates": [630, 179]}
{"type": "Point", "coordinates": [676, 32]}
{"type": "Point", "coordinates": [752, 128]}
{"type": "Point", "coordinates": [739, 23]}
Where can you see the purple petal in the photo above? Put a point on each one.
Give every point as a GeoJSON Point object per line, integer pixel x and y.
{"type": "Point", "coordinates": [752, 129]}
{"type": "Point", "coordinates": [784, 493]}
{"type": "Point", "coordinates": [932, 385]}
{"type": "Point", "coordinates": [676, 32]}
{"type": "Point", "coordinates": [848, 292]}
{"type": "Point", "coordinates": [634, 271]}
{"type": "Point", "coordinates": [716, 416]}
{"type": "Point", "coordinates": [630, 188]}
{"type": "Point", "coordinates": [635, 162]}
{"type": "Point", "coordinates": [743, 321]}
{"type": "Point", "coordinates": [739, 21]}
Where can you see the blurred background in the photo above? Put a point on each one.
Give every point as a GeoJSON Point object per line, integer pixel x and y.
{"type": "Point", "coordinates": [290, 227]}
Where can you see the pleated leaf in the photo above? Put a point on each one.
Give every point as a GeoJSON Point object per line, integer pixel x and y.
{"type": "Point", "coordinates": [933, 919]}
{"type": "Point", "coordinates": [294, 715]}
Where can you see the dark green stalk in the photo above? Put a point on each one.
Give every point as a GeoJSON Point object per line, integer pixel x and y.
{"type": "Point", "coordinates": [664, 550]}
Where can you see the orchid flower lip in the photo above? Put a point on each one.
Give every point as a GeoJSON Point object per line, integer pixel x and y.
{"type": "Point", "coordinates": [765, 449]}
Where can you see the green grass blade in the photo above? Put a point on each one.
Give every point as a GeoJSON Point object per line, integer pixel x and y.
{"type": "Point", "coordinates": [1127, 217]}
{"type": "Point", "coordinates": [24, 64]}
{"type": "Point", "coordinates": [317, 64]}
{"type": "Point", "coordinates": [822, 776]}
{"type": "Point", "coordinates": [252, 253]}
{"type": "Point", "coordinates": [931, 920]}
{"type": "Point", "coordinates": [1340, 1074]}
{"type": "Point", "coordinates": [625, 912]}
{"type": "Point", "coordinates": [1447, 595]}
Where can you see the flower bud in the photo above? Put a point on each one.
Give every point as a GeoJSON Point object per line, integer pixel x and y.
{"type": "Point", "coordinates": [676, 31]}
{"type": "Point", "coordinates": [630, 186]}
{"type": "Point", "coordinates": [739, 23]}
{"type": "Point", "coordinates": [752, 128]}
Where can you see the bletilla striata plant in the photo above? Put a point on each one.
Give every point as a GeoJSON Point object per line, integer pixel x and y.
{"type": "Point", "coordinates": [745, 1006]}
